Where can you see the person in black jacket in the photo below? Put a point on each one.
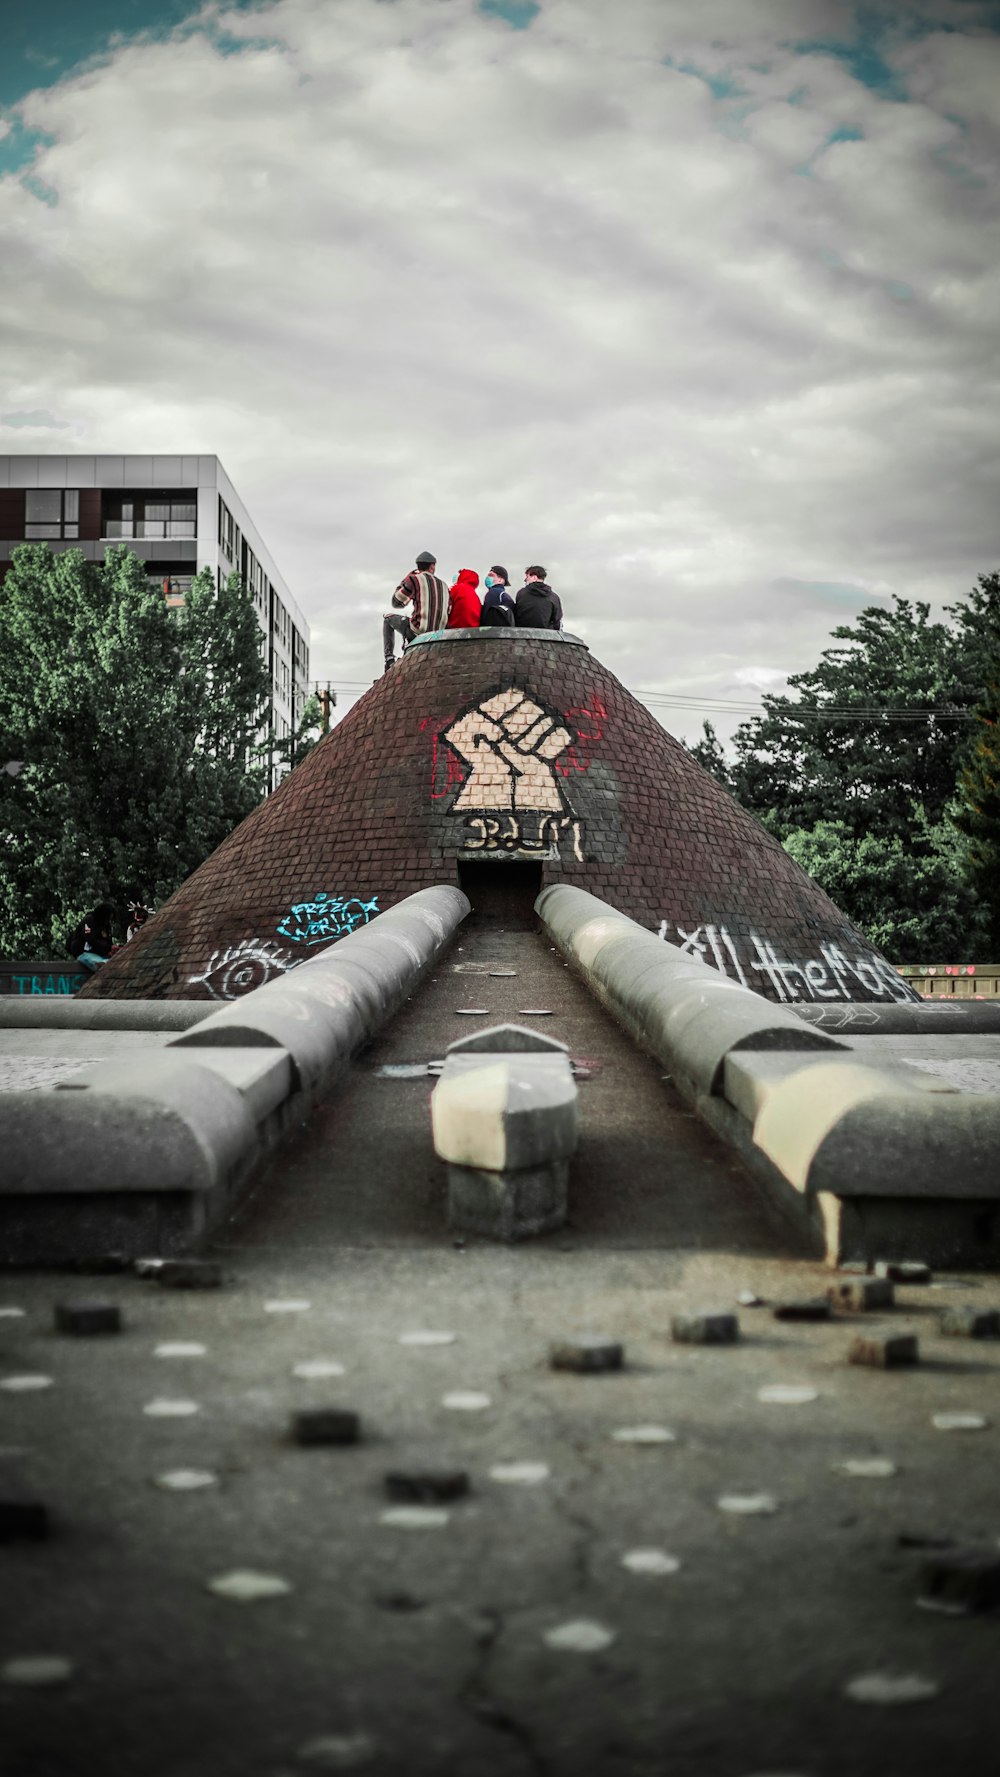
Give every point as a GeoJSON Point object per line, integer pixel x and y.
{"type": "Point", "coordinates": [536, 605]}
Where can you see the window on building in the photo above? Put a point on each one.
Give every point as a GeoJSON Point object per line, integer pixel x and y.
{"type": "Point", "coordinates": [52, 512]}
{"type": "Point", "coordinates": [150, 515]}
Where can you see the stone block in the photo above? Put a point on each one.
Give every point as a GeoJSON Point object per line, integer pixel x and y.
{"type": "Point", "coordinates": [426, 1486]}
{"type": "Point", "coordinates": [587, 1353]}
{"type": "Point", "coordinates": [707, 1328]}
{"type": "Point", "coordinates": [904, 1270]}
{"type": "Point", "coordinates": [189, 1274]}
{"type": "Point", "coordinates": [23, 1516]}
{"type": "Point", "coordinates": [84, 1319]}
{"type": "Point", "coordinates": [156, 1123]}
{"type": "Point", "coordinates": [961, 1579]}
{"type": "Point", "coordinates": [884, 1351]}
{"type": "Point", "coordinates": [508, 1205]}
{"type": "Point", "coordinates": [502, 1039]}
{"type": "Point", "coordinates": [753, 1078]}
{"type": "Point", "coordinates": [505, 1112]}
{"type": "Point", "coordinates": [807, 1308]}
{"type": "Point", "coordinates": [864, 1295]}
{"type": "Point", "coordinates": [326, 1425]}
{"type": "Point", "coordinates": [970, 1323]}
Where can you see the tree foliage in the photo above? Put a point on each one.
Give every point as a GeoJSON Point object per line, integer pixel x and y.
{"type": "Point", "coordinates": [872, 734]}
{"type": "Point", "coordinates": [911, 899]}
{"type": "Point", "coordinates": [977, 815]}
{"type": "Point", "coordinates": [862, 772]}
{"type": "Point", "coordinates": [136, 725]}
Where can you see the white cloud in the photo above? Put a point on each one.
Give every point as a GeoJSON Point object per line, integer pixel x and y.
{"type": "Point", "coordinates": [426, 281]}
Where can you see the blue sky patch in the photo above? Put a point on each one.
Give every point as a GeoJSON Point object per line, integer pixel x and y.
{"type": "Point", "coordinates": [19, 147]}
{"type": "Point", "coordinates": [829, 592]}
{"type": "Point", "coordinates": [47, 40]}
{"type": "Point", "coordinates": [38, 419]}
{"type": "Point", "coordinates": [721, 86]}
{"type": "Point", "coordinates": [862, 52]}
{"type": "Point", "coordinates": [516, 13]}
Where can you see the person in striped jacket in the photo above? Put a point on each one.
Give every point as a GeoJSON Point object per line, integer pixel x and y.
{"type": "Point", "coordinates": [427, 597]}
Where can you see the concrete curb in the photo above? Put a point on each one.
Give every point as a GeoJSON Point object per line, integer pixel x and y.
{"type": "Point", "coordinates": [323, 1010]}
{"type": "Point", "coordinates": [147, 1155]}
{"type": "Point", "coordinates": [869, 1160]}
{"type": "Point", "coordinates": [685, 1013]}
{"type": "Point", "coordinates": [854, 1019]}
{"type": "Point", "coordinates": [23, 1013]}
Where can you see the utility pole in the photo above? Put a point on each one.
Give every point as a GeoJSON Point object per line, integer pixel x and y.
{"type": "Point", "coordinates": [327, 701]}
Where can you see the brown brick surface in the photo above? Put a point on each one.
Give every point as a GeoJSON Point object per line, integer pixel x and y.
{"type": "Point", "coordinates": [370, 816]}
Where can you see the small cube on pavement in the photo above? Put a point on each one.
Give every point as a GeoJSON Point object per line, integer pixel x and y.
{"type": "Point", "coordinates": [806, 1308]}
{"type": "Point", "coordinates": [86, 1318]}
{"type": "Point", "coordinates": [326, 1425]}
{"type": "Point", "coordinates": [706, 1328]}
{"type": "Point", "coordinates": [586, 1352]}
{"type": "Point", "coordinates": [967, 1579]}
{"type": "Point", "coordinates": [970, 1323]}
{"type": "Point", "coordinates": [426, 1485]}
{"type": "Point", "coordinates": [884, 1351]}
{"type": "Point", "coordinates": [904, 1270]}
{"type": "Point", "coordinates": [23, 1517]}
{"type": "Point", "coordinates": [863, 1294]}
{"type": "Point", "coordinates": [190, 1274]}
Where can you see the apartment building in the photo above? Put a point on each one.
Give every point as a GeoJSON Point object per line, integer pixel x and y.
{"type": "Point", "coordinates": [181, 514]}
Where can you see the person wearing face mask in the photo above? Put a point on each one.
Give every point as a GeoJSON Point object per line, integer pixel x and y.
{"type": "Point", "coordinates": [498, 605]}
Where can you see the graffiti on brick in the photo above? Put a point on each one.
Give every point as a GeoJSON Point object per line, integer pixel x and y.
{"type": "Point", "coordinates": [326, 918]}
{"type": "Point", "coordinates": [511, 799]}
{"type": "Point", "coordinates": [239, 968]}
{"type": "Point", "coordinates": [835, 974]}
{"type": "Point", "coordinates": [513, 833]}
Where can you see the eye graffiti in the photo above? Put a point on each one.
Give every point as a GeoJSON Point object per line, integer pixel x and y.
{"type": "Point", "coordinates": [833, 975]}
{"type": "Point", "coordinates": [241, 967]}
{"type": "Point", "coordinates": [511, 799]}
{"type": "Point", "coordinates": [326, 918]}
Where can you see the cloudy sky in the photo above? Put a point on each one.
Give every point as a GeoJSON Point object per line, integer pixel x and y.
{"type": "Point", "coordinates": [696, 305]}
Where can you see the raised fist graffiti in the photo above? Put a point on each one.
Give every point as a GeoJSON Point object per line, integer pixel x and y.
{"type": "Point", "coordinates": [510, 743]}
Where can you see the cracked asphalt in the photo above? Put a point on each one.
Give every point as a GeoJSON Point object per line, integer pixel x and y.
{"type": "Point", "coordinates": [424, 1650]}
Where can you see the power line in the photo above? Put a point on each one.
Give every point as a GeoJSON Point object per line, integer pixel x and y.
{"type": "Point", "coordinates": [792, 713]}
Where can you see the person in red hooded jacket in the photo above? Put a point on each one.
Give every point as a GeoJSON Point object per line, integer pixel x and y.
{"type": "Point", "coordinates": [464, 609]}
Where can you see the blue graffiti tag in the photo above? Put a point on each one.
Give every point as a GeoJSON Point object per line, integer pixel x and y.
{"type": "Point", "coordinates": [325, 918]}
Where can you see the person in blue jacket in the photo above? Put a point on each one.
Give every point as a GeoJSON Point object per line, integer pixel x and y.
{"type": "Point", "coordinates": [498, 604]}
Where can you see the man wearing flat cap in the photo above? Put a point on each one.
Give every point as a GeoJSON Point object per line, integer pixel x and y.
{"type": "Point", "coordinates": [427, 597]}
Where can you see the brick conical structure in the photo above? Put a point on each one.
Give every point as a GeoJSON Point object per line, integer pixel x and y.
{"type": "Point", "coordinates": [483, 750]}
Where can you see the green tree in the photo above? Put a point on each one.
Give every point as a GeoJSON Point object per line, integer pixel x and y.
{"type": "Point", "coordinates": [872, 735]}
{"type": "Point", "coordinates": [293, 747]}
{"type": "Point", "coordinates": [911, 898]}
{"type": "Point", "coordinates": [857, 772]}
{"type": "Point", "coordinates": [136, 726]}
{"type": "Point", "coordinates": [711, 755]}
{"type": "Point", "coordinates": [977, 814]}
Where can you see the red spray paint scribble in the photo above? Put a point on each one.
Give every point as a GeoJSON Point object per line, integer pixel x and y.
{"type": "Point", "coordinates": [444, 763]}
{"type": "Point", "coordinates": [588, 719]}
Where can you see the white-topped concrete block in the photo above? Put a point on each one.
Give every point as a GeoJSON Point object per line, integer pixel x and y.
{"type": "Point", "coordinates": [507, 1112]}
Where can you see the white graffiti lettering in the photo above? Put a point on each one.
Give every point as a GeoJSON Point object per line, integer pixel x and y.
{"type": "Point", "coordinates": [833, 975]}
{"type": "Point", "coordinates": [242, 967]}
